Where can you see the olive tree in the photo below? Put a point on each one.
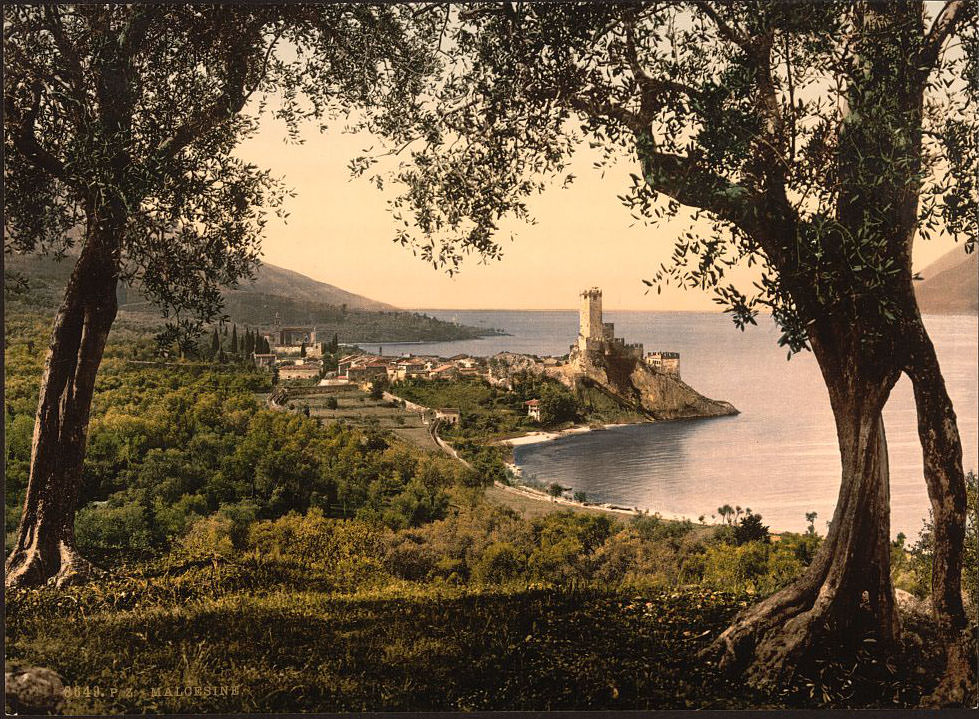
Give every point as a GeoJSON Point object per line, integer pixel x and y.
{"type": "Point", "coordinates": [120, 127]}
{"type": "Point", "coordinates": [815, 141]}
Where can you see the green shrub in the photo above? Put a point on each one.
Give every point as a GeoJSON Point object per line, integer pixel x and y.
{"type": "Point", "coordinates": [209, 538]}
{"type": "Point", "coordinates": [501, 562]}
{"type": "Point", "coordinates": [410, 558]}
{"type": "Point", "coordinates": [750, 529]}
{"type": "Point", "coordinates": [106, 530]}
{"type": "Point", "coordinates": [755, 567]}
{"type": "Point", "coordinates": [417, 504]}
{"type": "Point", "coordinates": [304, 538]}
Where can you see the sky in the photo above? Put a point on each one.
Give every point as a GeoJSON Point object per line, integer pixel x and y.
{"type": "Point", "coordinates": [340, 231]}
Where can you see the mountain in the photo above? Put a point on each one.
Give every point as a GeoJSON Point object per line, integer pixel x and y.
{"type": "Point", "coordinates": [47, 273]}
{"type": "Point", "coordinates": [276, 296]}
{"type": "Point", "coordinates": [950, 285]}
{"type": "Point", "coordinates": [272, 280]}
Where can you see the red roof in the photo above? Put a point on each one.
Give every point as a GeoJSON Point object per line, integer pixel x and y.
{"type": "Point", "coordinates": [532, 402]}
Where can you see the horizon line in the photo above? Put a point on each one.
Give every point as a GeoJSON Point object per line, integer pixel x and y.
{"type": "Point", "coordinates": [549, 309]}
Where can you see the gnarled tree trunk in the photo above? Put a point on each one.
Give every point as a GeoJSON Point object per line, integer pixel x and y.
{"type": "Point", "coordinates": [45, 548]}
{"type": "Point", "coordinates": [847, 589]}
{"type": "Point", "coordinates": [941, 449]}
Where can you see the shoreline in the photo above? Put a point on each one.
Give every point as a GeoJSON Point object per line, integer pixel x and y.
{"type": "Point", "coordinates": [529, 492]}
{"type": "Point", "coordinates": [545, 436]}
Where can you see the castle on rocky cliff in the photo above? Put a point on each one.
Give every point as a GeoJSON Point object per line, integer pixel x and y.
{"type": "Point", "coordinates": [597, 344]}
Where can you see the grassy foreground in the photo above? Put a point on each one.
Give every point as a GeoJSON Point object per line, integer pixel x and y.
{"type": "Point", "coordinates": [269, 637]}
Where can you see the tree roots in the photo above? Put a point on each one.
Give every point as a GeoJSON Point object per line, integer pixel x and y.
{"type": "Point", "coordinates": [768, 640]}
{"type": "Point", "coordinates": [61, 568]}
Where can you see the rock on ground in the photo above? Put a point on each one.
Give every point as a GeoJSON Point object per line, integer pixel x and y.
{"type": "Point", "coordinates": [34, 690]}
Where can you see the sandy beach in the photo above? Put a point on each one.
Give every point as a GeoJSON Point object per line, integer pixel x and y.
{"type": "Point", "coordinates": [536, 437]}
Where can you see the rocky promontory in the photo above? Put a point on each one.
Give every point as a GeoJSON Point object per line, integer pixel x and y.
{"type": "Point", "coordinates": [658, 394]}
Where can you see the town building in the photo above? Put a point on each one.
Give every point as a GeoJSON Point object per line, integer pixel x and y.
{"type": "Point", "coordinates": [444, 371]}
{"type": "Point", "coordinates": [299, 371]}
{"type": "Point", "coordinates": [666, 362]}
{"type": "Point", "coordinates": [367, 371]}
{"type": "Point", "coordinates": [295, 336]}
{"type": "Point", "coordinates": [533, 409]}
{"type": "Point", "coordinates": [264, 360]}
{"type": "Point", "coordinates": [448, 415]}
{"type": "Point", "coordinates": [597, 343]}
{"type": "Point", "coordinates": [347, 361]}
{"type": "Point", "coordinates": [596, 337]}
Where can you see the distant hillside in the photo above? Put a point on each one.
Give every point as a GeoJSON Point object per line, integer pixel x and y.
{"type": "Point", "coordinates": [48, 273]}
{"type": "Point", "coordinates": [272, 280]}
{"type": "Point", "coordinates": [276, 293]}
{"type": "Point", "coordinates": [950, 285]}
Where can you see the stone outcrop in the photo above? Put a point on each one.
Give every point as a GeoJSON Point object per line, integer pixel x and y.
{"type": "Point", "coordinates": [659, 395]}
{"type": "Point", "coordinates": [504, 366]}
{"type": "Point", "coordinates": [650, 383]}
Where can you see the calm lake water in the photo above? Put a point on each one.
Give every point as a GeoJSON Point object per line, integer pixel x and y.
{"type": "Point", "coordinates": [779, 456]}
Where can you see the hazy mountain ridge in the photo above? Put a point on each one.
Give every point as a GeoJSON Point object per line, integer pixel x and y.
{"type": "Point", "coordinates": [274, 280]}
{"type": "Point", "coordinates": [46, 272]}
{"type": "Point", "coordinates": [950, 285]}
{"type": "Point", "coordinates": [275, 296]}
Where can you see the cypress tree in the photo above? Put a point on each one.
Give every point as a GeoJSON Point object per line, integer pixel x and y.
{"type": "Point", "coordinates": [234, 340]}
{"type": "Point", "coordinates": [215, 342]}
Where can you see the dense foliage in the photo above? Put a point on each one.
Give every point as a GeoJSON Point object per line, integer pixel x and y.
{"type": "Point", "coordinates": [171, 444]}
{"type": "Point", "coordinates": [237, 534]}
{"type": "Point", "coordinates": [488, 411]}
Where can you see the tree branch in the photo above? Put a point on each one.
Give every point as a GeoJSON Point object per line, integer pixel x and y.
{"type": "Point", "coordinates": [685, 180]}
{"type": "Point", "coordinates": [73, 65]}
{"type": "Point", "coordinates": [726, 31]}
{"type": "Point", "coordinates": [134, 35]}
{"type": "Point", "coordinates": [229, 103]}
{"type": "Point", "coordinates": [265, 64]}
{"type": "Point", "coordinates": [636, 122]}
{"type": "Point", "coordinates": [944, 25]}
{"type": "Point", "coordinates": [653, 88]}
{"type": "Point", "coordinates": [24, 139]}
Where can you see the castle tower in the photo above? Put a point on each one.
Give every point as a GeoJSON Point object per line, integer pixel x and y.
{"type": "Point", "coordinates": [590, 314]}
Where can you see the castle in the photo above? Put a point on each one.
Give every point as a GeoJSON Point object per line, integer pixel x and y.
{"type": "Point", "coordinates": [597, 343]}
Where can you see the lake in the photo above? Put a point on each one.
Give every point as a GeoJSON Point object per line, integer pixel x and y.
{"type": "Point", "coordinates": [779, 456]}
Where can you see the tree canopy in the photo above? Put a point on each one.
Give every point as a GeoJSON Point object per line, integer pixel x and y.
{"type": "Point", "coordinates": [817, 141]}
{"type": "Point", "coordinates": [142, 107]}
{"type": "Point", "coordinates": [745, 112]}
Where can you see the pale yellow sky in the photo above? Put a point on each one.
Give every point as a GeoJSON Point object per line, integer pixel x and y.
{"type": "Point", "coordinates": [340, 231]}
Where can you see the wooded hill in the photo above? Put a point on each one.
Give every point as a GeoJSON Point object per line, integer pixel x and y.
{"type": "Point", "coordinates": [276, 294]}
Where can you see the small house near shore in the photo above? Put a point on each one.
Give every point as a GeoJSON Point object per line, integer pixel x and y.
{"type": "Point", "coordinates": [533, 409]}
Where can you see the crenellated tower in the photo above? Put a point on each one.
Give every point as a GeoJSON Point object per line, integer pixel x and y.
{"type": "Point", "coordinates": [590, 314]}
